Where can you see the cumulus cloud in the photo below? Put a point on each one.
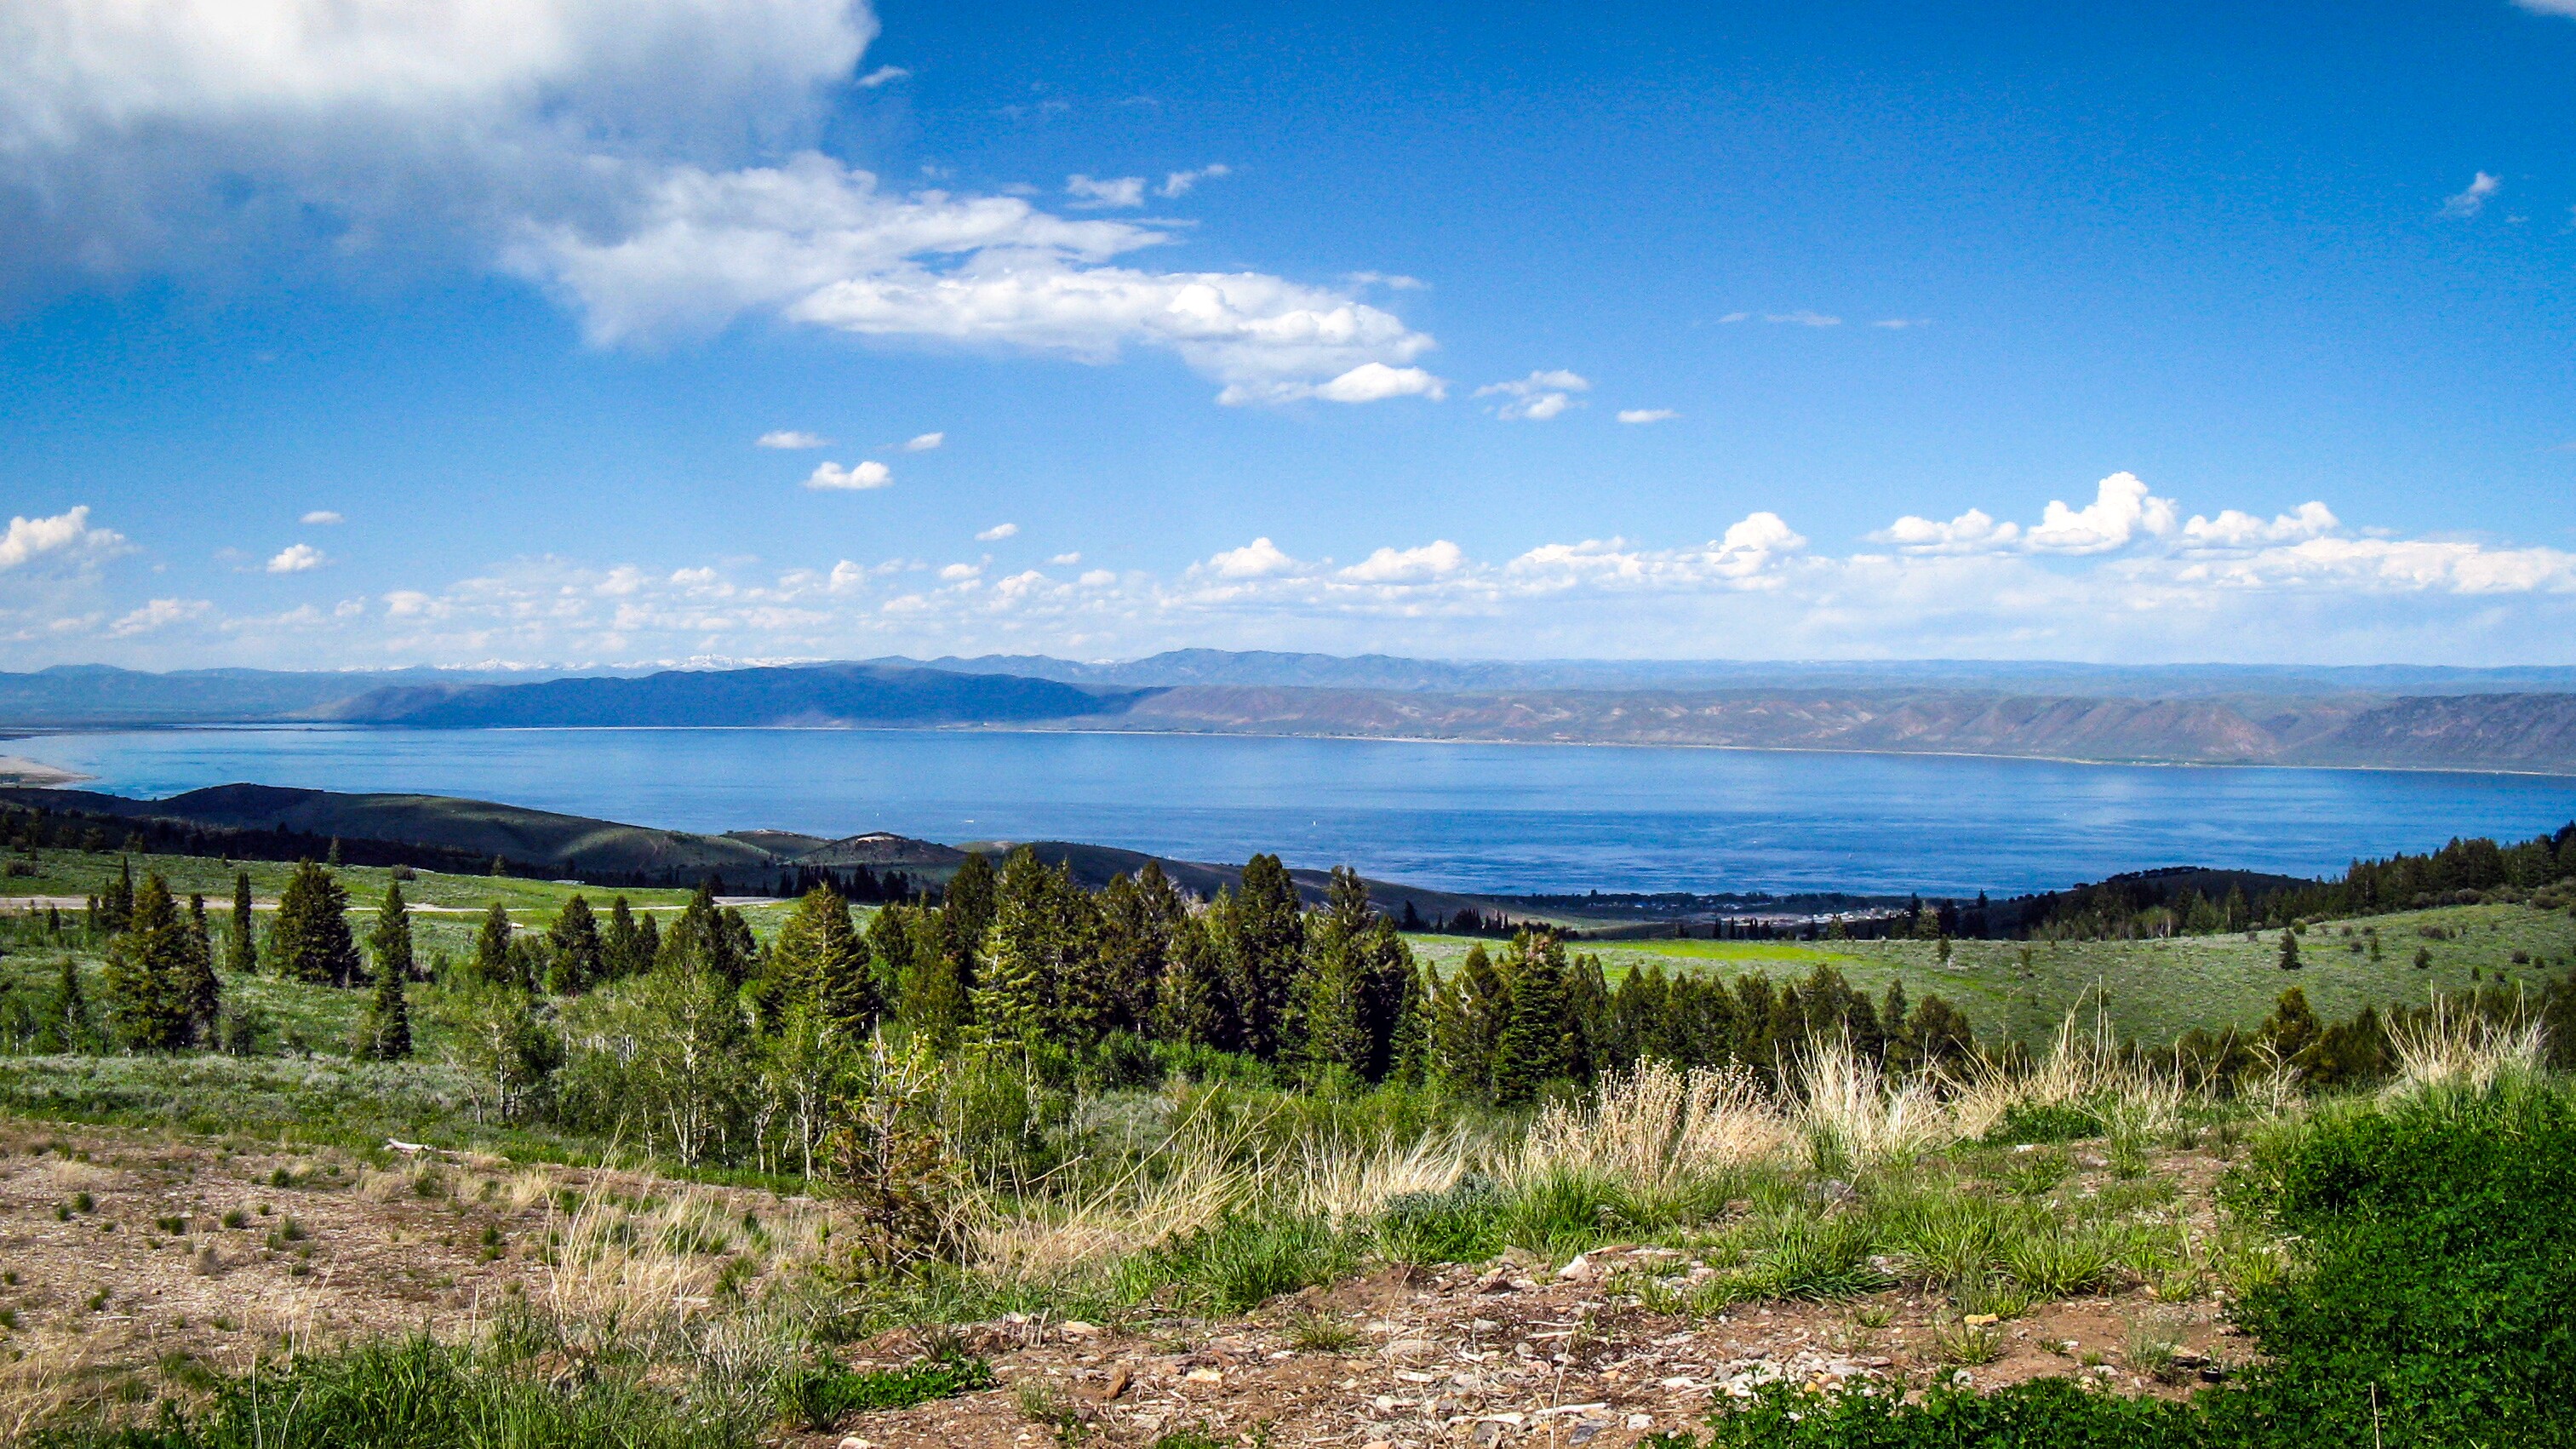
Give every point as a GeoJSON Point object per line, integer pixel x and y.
{"type": "Point", "coordinates": [857, 478]}
{"type": "Point", "coordinates": [960, 572]}
{"type": "Point", "coordinates": [2235, 529]}
{"type": "Point", "coordinates": [2122, 509]}
{"type": "Point", "coordinates": [323, 518]}
{"type": "Point", "coordinates": [65, 533]}
{"type": "Point", "coordinates": [1369, 382]}
{"type": "Point", "coordinates": [2472, 199]}
{"type": "Point", "coordinates": [1257, 559]}
{"type": "Point", "coordinates": [639, 160]}
{"type": "Point", "coordinates": [1970, 532]}
{"type": "Point", "coordinates": [924, 442]}
{"type": "Point", "coordinates": [1647, 415]}
{"type": "Point", "coordinates": [1115, 191]}
{"type": "Point", "coordinates": [790, 439]}
{"type": "Point", "coordinates": [997, 533]}
{"type": "Point", "coordinates": [1539, 396]}
{"type": "Point", "coordinates": [1066, 559]}
{"type": "Point", "coordinates": [882, 75]}
{"type": "Point", "coordinates": [1411, 565]}
{"type": "Point", "coordinates": [1181, 183]}
{"type": "Point", "coordinates": [296, 558]}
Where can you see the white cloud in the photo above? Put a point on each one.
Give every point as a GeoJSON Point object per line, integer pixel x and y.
{"type": "Point", "coordinates": [1180, 183]}
{"type": "Point", "coordinates": [2473, 199]}
{"type": "Point", "coordinates": [1369, 382]}
{"type": "Point", "coordinates": [924, 442]}
{"type": "Point", "coordinates": [1257, 559]}
{"type": "Point", "coordinates": [1392, 281]}
{"type": "Point", "coordinates": [1736, 317]}
{"type": "Point", "coordinates": [882, 75]}
{"type": "Point", "coordinates": [1539, 396]}
{"type": "Point", "coordinates": [296, 558]}
{"type": "Point", "coordinates": [1970, 532]}
{"type": "Point", "coordinates": [1411, 565]}
{"type": "Point", "coordinates": [1899, 324]}
{"type": "Point", "coordinates": [1647, 415]}
{"type": "Point", "coordinates": [1097, 579]}
{"type": "Point", "coordinates": [1802, 318]}
{"type": "Point", "coordinates": [2121, 510]}
{"type": "Point", "coordinates": [624, 155]}
{"type": "Point", "coordinates": [960, 572]}
{"type": "Point", "coordinates": [997, 533]}
{"type": "Point", "coordinates": [66, 532]}
{"type": "Point", "coordinates": [1066, 559]}
{"type": "Point", "coordinates": [1113, 191]}
{"type": "Point", "coordinates": [857, 478]}
{"type": "Point", "coordinates": [158, 614]}
{"type": "Point", "coordinates": [323, 518]}
{"type": "Point", "coordinates": [791, 439]}
{"type": "Point", "coordinates": [2234, 529]}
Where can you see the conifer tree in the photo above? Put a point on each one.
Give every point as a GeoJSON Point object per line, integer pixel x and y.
{"type": "Point", "coordinates": [116, 905]}
{"type": "Point", "coordinates": [2292, 1027]}
{"type": "Point", "coordinates": [144, 966]}
{"type": "Point", "coordinates": [1014, 995]}
{"type": "Point", "coordinates": [648, 945]}
{"type": "Point", "coordinates": [578, 960]}
{"type": "Point", "coordinates": [931, 999]}
{"type": "Point", "coordinates": [1532, 1050]}
{"type": "Point", "coordinates": [311, 937]}
{"type": "Point", "coordinates": [1329, 1005]}
{"type": "Point", "coordinates": [617, 944]}
{"type": "Point", "coordinates": [890, 954]}
{"type": "Point", "coordinates": [1189, 1002]}
{"type": "Point", "coordinates": [821, 962]}
{"type": "Point", "coordinates": [966, 916]}
{"type": "Point", "coordinates": [385, 1034]}
{"type": "Point", "coordinates": [1409, 1060]}
{"type": "Point", "coordinates": [1468, 1024]}
{"type": "Point", "coordinates": [2289, 949]}
{"type": "Point", "coordinates": [1262, 937]}
{"type": "Point", "coordinates": [244, 957]}
{"type": "Point", "coordinates": [492, 947]}
{"type": "Point", "coordinates": [201, 995]}
{"type": "Point", "coordinates": [67, 1024]}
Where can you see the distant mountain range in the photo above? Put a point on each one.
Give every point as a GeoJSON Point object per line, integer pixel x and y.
{"type": "Point", "coordinates": [2388, 717]}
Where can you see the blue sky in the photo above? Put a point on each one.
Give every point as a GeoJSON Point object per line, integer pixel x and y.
{"type": "Point", "coordinates": [381, 334]}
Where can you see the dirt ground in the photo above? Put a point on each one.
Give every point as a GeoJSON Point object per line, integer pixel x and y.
{"type": "Point", "coordinates": [143, 1245]}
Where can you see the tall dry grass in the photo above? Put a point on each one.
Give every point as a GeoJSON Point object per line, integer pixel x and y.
{"type": "Point", "coordinates": [2447, 1047]}
{"type": "Point", "coordinates": [1654, 1129]}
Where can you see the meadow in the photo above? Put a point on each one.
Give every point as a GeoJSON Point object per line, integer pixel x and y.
{"type": "Point", "coordinates": [1165, 1241]}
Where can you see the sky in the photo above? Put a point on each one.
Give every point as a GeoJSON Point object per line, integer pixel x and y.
{"type": "Point", "coordinates": [357, 333]}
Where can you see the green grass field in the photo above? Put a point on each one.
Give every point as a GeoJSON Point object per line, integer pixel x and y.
{"type": "Point", "coordinates": [2152, 991]}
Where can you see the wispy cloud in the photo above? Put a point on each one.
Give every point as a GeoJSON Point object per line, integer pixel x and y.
{"type": "Point", "coordinates": [924, 442]}
{"type": "Point", "coordinates": [1899, 324]}
{"type": "Point", "coordinates": [1803, 318]}
{"type": "Point", "coordinates": [1182, 183]}
{"type": "Point", "coordinates": [882, 75]}
{"type": "Point", "coordinates": [857, 478]}
{"type": "Point", "coordinates": [323, 518]}
{"type": "Point", "coordinates": [791, 439]}
{"type": "Point", "coordinates": [1367, 383]}
{"type": "Point", "coordinates": [1116, 191]}
{"type": "Point", "coordinates": [2473, 198]}
{"type": "Point", "coordinates": [997, 533]}
{"type": "Point", "coordinates": [1539, 396]}
{"type": "Point", "coordinates": [1647, 415]}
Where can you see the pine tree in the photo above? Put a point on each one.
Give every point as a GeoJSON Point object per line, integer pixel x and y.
{"type": "Point", "coordinates": [492, 947]}
{"type": "Point", "coordinates": [201, 995]}
{"type": "Point", "coordinates": [822, 964]}
{"type": "Point", "coordinates": [244, 958]}
{"type": "Point", "coordinates": [1014, 995]}
{"type": "Point", "coordinates": [144, 966]}
{"type": "Point", "coordinates": [578, 958]}
{"type": "Point", "coordinates": [2289, 949]}
{"type": "Point", "coordinates": [2292, 1027]}
{"type": "Point", "coordinates": [311, 936]}
{"type": "Point", "coordinates": [67, 1024]}
{"type": "Point", "coordinates": [1329, 1005]}
{"type": "Point", "coordinates": [931, 1000]}
{"type": "Point", "coordinates": [1532, 1050]}
{"type": "Point", "coordinates": [1189, 1002]}
{"type": "Point", "coordinates": [116, 905]}
{"type": "Point", "coordinates": [1470, 1025]}
{"type": "Point", "coordinates": [1262, 936]}
{"type": "Point", "coordinates": [966, 916]}
{"type": "Point", "coordinates": [384, 1034]}
{"type": "Point", "coordinates": [618, 944]}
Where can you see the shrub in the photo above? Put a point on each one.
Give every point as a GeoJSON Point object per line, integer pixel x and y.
{"type": "Point", "coordinates": [1243, 1260]}
{"type": "Point", "coordinates": [818, 1396]}
{"type": "Point", "coordinates": [1461, 1225]}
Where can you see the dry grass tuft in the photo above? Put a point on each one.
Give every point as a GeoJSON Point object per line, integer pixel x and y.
{"type": "Point", "coordinates": [1853, 1116]}
{"type": "Point", "coordinates": [39, 1380]}
{"type": "Point", "coordinates": [2448, 1047]}
{"type": "Point", "coordinates": [1654, 1129]}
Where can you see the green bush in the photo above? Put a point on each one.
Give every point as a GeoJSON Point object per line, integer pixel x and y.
{"type": "Point", "coordinates": [2054, 1122]}
{"type": "Point", "coordinates": [1242, 1261]}
{"type": "Point", "coordinates": [1461, 1225]}
{"type": "Point", "coordinates": [818, 1396]}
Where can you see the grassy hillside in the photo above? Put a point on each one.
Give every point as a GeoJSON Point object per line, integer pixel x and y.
{"type": "Point", "coordinates": [2151, 991]}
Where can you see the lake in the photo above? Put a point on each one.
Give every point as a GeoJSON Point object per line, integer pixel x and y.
{"type": "Point", "coordinates": [1468, 817]}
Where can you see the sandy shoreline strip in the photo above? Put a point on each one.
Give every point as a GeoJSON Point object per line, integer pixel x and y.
{"type": "Point", "coordinates": [18, 770]}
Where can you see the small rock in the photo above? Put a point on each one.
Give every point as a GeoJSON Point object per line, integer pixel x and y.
{"type": "Point", "coordinates": [855, 1442]}
{"type": "Point", "coordinates": [1641, 1421]}
{"type": "Point", "coordinates": [1377, 1444]}
{"type": "Point", "coordinates": [1578, 1271]}
{"type": "Point", "coordinates": [1076, 1328]}
{"type": "Point", "coordinates": [1204, 1376]}
{"type": "Point", "coordinates": [1482, 1325]}
{"type": "Point", "coordinates": [1497, 1281]}
{"type": "Point", "coordinates": [1119, 1378]}
{"type": "Point", "coordinates": [1978, 1320]}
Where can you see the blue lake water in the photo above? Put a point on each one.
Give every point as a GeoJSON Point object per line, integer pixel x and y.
{"type": "Point", "coordinates": [1466, 817]}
